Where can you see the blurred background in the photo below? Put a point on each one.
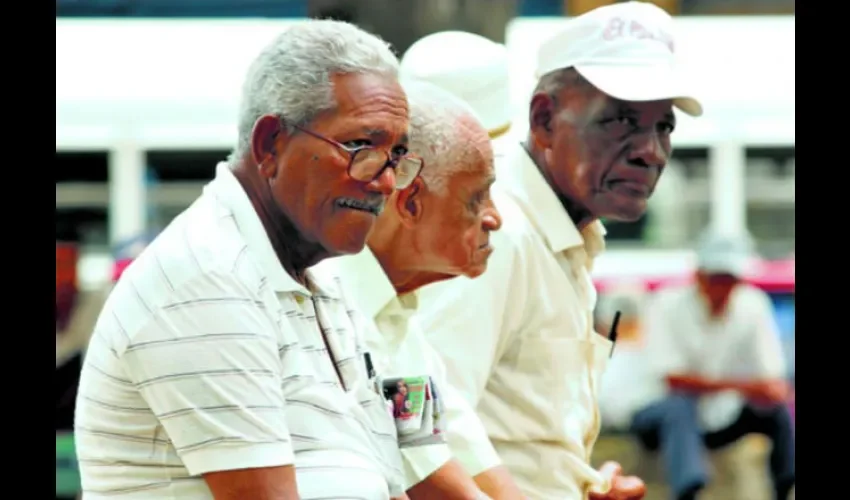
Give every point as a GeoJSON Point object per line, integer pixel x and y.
{"type": "Point", "coordinates": [146, 96]}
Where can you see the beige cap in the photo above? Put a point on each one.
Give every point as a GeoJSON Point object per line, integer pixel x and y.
{"type": "Point", "coordinates": [469, 66]}
{"type": "Point", "coordinates": [721, 253]}
{"type": "Point", "coordinates": [625, 50]}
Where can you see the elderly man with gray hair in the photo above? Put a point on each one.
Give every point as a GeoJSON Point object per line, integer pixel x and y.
{"type": "Point", "coordinates": [221, 367]}
{"type": "Point", "coordinates": [436, 229]}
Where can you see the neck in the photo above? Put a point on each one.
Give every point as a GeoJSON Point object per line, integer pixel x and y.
{"type": "Point", "coordinates": [397, 252]}
{"type": "Point", "coordinates": [580, 216]}
{"type": "Point", "coordinates": [294, 254]}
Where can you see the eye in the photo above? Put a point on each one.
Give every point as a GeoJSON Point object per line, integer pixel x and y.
{"type": "Point", "coordinates": [627, 121]}
{"type": "Point", "coordinates": [357, 143]}
{"type": "Point", "coordinates": [667, 127]}
{"type": "Point", "coordinates": [400, 150]}
{"type": "Point", "coordinates": [477, 199]}
{"type": "Point", "coordinates": [620, 125]}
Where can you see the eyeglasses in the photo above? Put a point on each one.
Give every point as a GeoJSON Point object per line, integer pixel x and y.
{"type": "Point", "coordinates": [367, 163]}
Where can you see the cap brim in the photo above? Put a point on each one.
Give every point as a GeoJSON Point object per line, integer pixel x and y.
{"type": "Point", "coordinates": [736, 266]}
{"type": "Point", "coordinates": [642, 83]}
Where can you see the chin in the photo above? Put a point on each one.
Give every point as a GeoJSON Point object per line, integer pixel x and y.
{"type": "Point", "coordinates": [475, 271]}
{"type": "Point", "coordinates": [345, 244]}
{"type": "Point", "coordinates": [632, 212]}
{"type": "Point", "coordinates": [345, 239]}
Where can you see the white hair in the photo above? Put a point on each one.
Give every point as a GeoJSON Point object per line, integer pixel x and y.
{"type": "Point", "coordinates": [441, 128]}
{"type": "Point", "coordinates": [291, 77]}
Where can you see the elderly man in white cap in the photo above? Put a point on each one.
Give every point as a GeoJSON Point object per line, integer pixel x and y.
{"type": "Point", "coordinates": [717, 369]}
{"type": "Point", "coordinates": [519, 340]}
{"type": "Point", "coordinates": [436, 229]}
{"type": "Point", "coordinates": [469, 66]}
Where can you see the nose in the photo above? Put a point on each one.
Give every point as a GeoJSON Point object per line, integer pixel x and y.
{"type": "Point", "coordinates": [491, 219]}
{"type": "Point", "coordinates": [649, 150]}
{"type": "Point", "coordinates": [384, 183]}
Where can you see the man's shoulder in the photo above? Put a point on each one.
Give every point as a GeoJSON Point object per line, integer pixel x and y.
{"type": "Point", "coordinates": [517, 234]}
{"type": "Point", "coordinates": [750, 296]}
{"type": "Point", "coordinates": [200, 255]}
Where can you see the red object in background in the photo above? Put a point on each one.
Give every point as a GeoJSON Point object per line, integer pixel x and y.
{"type": "Point", "coordinates": [771, 276]}
{"type": "Point", "coordinates": [119, 267]}
{"type": "Point", "coordinates": [67, 256]}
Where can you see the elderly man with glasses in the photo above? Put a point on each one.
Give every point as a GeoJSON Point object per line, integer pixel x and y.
{"type": "Point", "coordinates": [221, 367]}
{"type": "Point", "coordinates": [436, 229]}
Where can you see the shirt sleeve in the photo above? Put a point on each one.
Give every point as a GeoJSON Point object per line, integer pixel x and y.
{"type": "Point", "coordinates": [767, 358]}
{"type": "Point", "coordinates": [421, 461]}
{"type": "Point", "coordinates": [466, 435]}
{"type": "Point", "coordinates": [207, 364]}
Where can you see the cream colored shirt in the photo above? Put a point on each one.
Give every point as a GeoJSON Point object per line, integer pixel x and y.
{"type": "Point", "coordinates": [518, 341]}
{"type": "Point", "coordinates": [399, 348]}
{"type": "Point", "coordinates": [743, 344]}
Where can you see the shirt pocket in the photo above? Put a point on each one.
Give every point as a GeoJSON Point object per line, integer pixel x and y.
{"type": "Point", "coordinates": [384, 435]}
{"type": "Point", "coordinates": [553, 375]}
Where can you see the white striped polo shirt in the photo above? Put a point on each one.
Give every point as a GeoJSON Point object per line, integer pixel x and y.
{"type": "Point", "coordinates": [208, 357]}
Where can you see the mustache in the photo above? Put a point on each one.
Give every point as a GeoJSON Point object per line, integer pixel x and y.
{"type": "Point", "coordinates": [372, 204]}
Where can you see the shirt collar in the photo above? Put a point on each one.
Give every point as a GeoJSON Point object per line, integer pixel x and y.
{"type": "Point", "coordinates": [521, 179]}
{"type": "Point", "coordinates": [230, 193]}
{"type": "Point", "coordinates": [375, 293]}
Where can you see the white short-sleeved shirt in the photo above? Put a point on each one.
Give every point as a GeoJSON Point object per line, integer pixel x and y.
{"type": "Point", "coordinates": [682, 338]}
{"type": "Point", "coordinates": [209, 357]}
{"type": "Point", "coordinates": [399, 348]}
{"type": "Point", "coordinates": [518, 341]}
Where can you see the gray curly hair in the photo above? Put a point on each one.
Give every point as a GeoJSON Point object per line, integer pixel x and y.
{"type": "Point", "coordinates": [291, 77]}
{"type": "Point", "coordinates": [441, 127]}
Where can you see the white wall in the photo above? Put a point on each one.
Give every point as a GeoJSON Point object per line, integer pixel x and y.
{"type": "Point", "coordinates": [176, 82]}
{"type": "Point", "coordinates": [155, 82]}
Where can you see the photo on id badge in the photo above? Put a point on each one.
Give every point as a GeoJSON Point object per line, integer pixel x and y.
{"type": "Point", "coordinates": [407, 396]}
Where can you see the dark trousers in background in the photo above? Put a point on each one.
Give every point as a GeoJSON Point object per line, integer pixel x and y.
{"type": "Point", "coordinates": [672, 425]}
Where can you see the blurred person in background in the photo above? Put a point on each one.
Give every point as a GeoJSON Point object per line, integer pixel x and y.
{"type": "Point", "coordinates": [221, 366]}
{"type": "Point", "coordinates": [518, 341]}
{"type": "Point", "coordinates": [714, 355]}
{"type": "Point", "coordinates": [435, 229]}
{"type": "Point", "coordinates": [471, 67]}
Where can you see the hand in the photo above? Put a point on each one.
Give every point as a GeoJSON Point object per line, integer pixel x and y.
{"type": "Point", "coordinates": [622, 487]}
{"type": "Point", "coordinates": [770, 392]}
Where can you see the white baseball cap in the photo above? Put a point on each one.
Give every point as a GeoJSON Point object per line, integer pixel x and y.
{"type": "Point", "coordinates": [469, 66]}
{"type": "Point", "coordinates": [725, 254]}
{"type": "Point", "coordinates": [625, 50]}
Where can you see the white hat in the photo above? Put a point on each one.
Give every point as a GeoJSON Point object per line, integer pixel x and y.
{"type": "Point", "coordinates": [625, 50]}
{"type": "Point", "coordinates": [724, 254]}
{"type": "Point", "coordinates": [469, 66]}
